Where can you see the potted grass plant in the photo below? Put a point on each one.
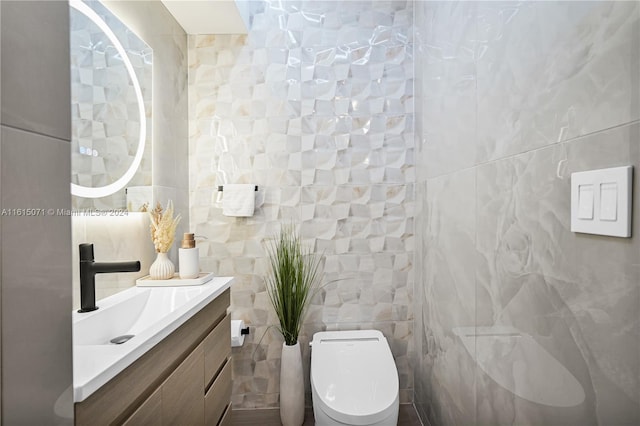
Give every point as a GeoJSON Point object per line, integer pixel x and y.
{"type": "Point", "coordinates": [291, 283]}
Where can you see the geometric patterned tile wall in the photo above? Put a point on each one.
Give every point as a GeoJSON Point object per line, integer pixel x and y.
{"type": "Point", "coordinates": [315, 105]}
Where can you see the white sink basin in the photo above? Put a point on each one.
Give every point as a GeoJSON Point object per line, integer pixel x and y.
{"type": "Point", "coordinates": [99, 327]}
{"type": "Point", "coordinates": [147, 313]}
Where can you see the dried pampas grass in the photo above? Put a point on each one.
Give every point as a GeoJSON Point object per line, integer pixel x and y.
{"type": "Point", "coordinates": [163, 227]}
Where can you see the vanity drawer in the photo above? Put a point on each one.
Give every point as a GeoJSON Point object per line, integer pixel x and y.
{"type": "Point", "coordinates": [220, 309]}
{"type": "Point", "coordinates": [218, 396]}
{"type": "Point", "coordinates": [149, 413]}
{"type": "Point", "coordinates": [226, 419]}
{"type": "Point", "coordinates": [182, 392]}
{"type": "Point", "coordinates": [217, 349]}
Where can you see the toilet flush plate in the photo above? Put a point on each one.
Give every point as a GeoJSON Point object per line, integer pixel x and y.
{"type": "Point", "coordinates": [601, 201]}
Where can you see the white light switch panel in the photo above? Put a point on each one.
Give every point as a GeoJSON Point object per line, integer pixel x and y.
{"type": "Point", "coordinates": [601, 201]}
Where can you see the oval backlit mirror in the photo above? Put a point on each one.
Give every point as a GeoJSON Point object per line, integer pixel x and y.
{"type": "Point", "coordinates": [111, 86]}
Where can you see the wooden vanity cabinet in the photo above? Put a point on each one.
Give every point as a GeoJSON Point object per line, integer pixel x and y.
{"type": "Point", "coordinates": [149, 413]}
{"type": "Point", "coordinates": [226, 417]}
{"type": "Point", "coordinates": [217, 397]}
{"type": "Point", "coordinates": [183, 391]}
{"type": "Point", "coordinates": [169, 386]}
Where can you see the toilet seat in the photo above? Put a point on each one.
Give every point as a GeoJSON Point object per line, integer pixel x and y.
{"type": "Point", "coordinates": [353, 376]}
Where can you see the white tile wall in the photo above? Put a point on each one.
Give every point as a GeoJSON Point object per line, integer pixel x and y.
{"type": "Point", "coordinates": [315, 105]}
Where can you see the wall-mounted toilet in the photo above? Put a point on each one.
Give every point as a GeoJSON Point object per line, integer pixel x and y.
{"type": "Point", "coordinates": [354, 380]}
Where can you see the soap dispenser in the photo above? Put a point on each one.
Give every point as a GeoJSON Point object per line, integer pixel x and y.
{"type": "Point", "coordinates": [188, 258]}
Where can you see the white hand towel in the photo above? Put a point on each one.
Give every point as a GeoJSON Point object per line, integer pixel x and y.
{"type": "Point", "coordinates": [238, 200]}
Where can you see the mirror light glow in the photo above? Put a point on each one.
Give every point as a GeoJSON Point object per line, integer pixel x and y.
{"type": "Point", "coordinates": [103, 191]}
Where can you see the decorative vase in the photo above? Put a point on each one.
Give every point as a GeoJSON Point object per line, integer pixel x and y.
{"type": "Point", "coordinates": [162, 268]}
{"type": "Point", "coordinates": [291, 386]}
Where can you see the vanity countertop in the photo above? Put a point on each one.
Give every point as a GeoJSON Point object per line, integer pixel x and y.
{"type": "Point", "coordinates": [148, 313]}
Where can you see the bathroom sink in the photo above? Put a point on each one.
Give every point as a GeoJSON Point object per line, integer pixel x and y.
{"type": "Point", "coordinates": [133, 313]}
{"type": "Point", "coordinates": [99, 327]}
{"type": "Point", "coordinates": [136, 319]}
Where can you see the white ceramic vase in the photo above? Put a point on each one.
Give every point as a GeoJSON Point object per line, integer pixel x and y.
{"type": "Point", "coordinates": [162, 268]}
{"type": "Point", "coordinates": [291, 386]}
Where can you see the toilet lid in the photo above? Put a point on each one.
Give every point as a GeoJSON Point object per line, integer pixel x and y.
{"type": "Point", "coordinates": [354, 376]}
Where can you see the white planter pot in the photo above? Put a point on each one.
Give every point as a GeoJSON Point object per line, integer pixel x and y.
{"type": "Point", "coordinates": [162, 268]}
{"type": "Point", "coordinates": [291, 386]}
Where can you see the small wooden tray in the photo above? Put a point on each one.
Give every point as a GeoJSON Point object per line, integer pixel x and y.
{"type": "Point", "coordinates": [176, 281]}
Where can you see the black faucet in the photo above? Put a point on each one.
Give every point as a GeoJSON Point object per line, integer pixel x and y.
{"type": "Point", "coordinates": [88, 270]}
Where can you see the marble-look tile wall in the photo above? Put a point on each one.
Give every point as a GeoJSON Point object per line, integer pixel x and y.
{"type": "Point", "coordinates": [315, 105]}
{"type": "Point", "coordinates": [120, 238]}
{"type": "Point", "coordinates": [519, 320]}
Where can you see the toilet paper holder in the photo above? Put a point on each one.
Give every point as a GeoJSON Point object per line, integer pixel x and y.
{"type": "Point", "coordinates": [238, 331]}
